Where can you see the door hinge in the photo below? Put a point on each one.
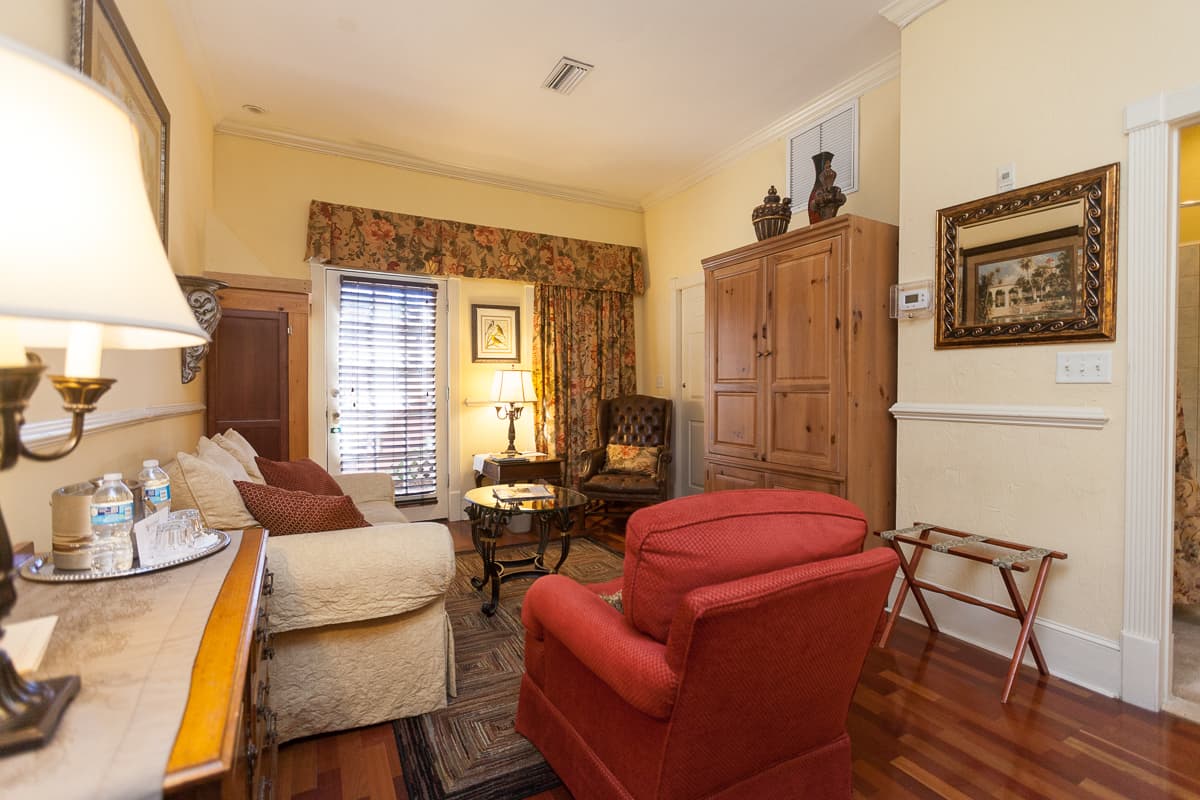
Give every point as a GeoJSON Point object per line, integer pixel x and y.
{"type": "Point", "coordinates": [289, 330]}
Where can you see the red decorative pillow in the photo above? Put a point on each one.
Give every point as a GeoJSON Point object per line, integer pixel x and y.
{"type": "Point", "coordinates": [304, 475]}
{"type": "Point", "coordinates": [282, 511]}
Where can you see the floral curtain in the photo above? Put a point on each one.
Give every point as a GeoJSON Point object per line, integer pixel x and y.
{"type": "Point", "coordinates": [363, 238]}
{"type": "Point", "coordinates": [583, 351]}
{"type": "Point", "coordinates": [1187, 515]}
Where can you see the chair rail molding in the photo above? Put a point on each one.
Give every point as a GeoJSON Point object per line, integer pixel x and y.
{"type": "Point", "coordinates": [1152, 126]}
{"type": "Point", "coordinates": [55, 431]}
{"type": "Point", "coordinates": [1029, 416]}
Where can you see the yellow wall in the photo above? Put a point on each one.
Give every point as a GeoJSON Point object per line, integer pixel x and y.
{"type": "Point", "coordinates": [968, 106]}
{"type": "Point", "coordinates": [1189, 183]}
{"type": "Point", "coordinates": [259, 222]}
{"type": "Point", "coordinates": [714, 216]}
{"type": "Point", "coordinates": [145, 379]}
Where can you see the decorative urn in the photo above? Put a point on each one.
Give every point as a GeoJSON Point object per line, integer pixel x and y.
{"type": "Point", "coordinates": [772, 217]}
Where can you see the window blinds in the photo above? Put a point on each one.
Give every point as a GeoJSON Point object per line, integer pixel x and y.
{"type": "Point", "coordinates": [387, 382]}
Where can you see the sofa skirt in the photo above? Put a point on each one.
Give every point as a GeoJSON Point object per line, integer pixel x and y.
{"type": "Point", "coordinates": [361, 673]}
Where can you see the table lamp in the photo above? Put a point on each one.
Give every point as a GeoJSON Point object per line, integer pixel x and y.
{"type": "Point", "coordinates": [82, 267]}
{"type": "Point", "coordinates": [512, 386]}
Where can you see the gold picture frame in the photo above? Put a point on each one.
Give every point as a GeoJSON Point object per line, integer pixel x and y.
{"type": "Point", "coordinates": [495, 333]}
{"type": "Point", "coordinates": [1030, 266]}
{"type": "Point", "coordinates": [104, 50]}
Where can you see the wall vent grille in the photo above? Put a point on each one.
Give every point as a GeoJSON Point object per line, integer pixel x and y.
{"type": "Point", "coordinates": [566, 75]}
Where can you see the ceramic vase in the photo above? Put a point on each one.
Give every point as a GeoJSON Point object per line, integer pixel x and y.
{"type": "Point", "coordinates": [771, 218]}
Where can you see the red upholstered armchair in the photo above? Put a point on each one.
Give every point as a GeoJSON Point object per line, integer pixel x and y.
{"type": "Point", "coordinates": [729, 674]}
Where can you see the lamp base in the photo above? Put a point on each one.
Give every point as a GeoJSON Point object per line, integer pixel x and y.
{"type": "Point", "coordinates": [35, 724]}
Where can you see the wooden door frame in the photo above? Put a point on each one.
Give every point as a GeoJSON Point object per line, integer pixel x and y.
{"type": "Point", "coordinates": [281, 295]}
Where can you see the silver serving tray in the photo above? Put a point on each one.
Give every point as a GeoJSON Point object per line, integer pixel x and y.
{"type": "Point", "coordinates": [41, 566]}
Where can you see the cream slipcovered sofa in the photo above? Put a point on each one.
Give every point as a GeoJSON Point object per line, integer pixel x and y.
{"type": "Point", "coordinates": [357, 617]}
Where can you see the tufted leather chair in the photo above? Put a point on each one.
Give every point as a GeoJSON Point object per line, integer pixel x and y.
{"type": "Point", "coordinates": [635, 419]}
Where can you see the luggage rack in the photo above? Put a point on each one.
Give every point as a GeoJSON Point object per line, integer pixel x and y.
{"type": "Point", "coordinates": [1007, 557]}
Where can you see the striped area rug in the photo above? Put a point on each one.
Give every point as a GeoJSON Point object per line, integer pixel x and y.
{"type": "Point", "coordinates": [469, 750]}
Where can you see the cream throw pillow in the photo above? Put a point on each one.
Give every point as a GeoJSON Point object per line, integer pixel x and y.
{"type": "Point", "coordinates": [236, 445]}
{"type": "Point", "coordinates": [181, 497]}
{"type": "Point", "coordinates": [212, 491]}
{"type": "Point", "coordinates": [219, 458]}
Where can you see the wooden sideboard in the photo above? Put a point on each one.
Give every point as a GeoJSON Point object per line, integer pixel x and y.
{"type": "Point", "coordinates": [226, 744]}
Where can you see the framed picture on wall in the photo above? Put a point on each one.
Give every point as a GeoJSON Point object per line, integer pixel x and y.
{"type": "Point", "coordinates": [495, 333]}
{"type": "Point", "coordinates": [105, 52]}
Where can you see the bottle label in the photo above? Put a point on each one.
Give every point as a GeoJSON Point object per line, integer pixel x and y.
{"type": "Point", "coordinates": [112, 513]}
{"type": "Point", "coordinates": [157, 495]}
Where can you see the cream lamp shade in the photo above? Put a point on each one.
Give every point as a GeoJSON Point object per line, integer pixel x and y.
{"type": "Point", "coordinates": [82, 265]}
{"type": "Point", "coordinates": [513, 386]}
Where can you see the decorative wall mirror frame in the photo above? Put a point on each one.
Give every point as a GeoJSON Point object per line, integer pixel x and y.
{"type": "Point", "coordinates": [1030, 266]}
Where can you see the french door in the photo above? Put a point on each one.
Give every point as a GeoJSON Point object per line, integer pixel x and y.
{"type": "Point", "coordinates": [387, 373]}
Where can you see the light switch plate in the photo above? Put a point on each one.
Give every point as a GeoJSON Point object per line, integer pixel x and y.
{"type": "Point", "coordinates": [1006, 177]}
{"type": "Point", "coordinates": [1088, 367]}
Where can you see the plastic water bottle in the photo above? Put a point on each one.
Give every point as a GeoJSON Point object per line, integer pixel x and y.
{"type": "Point", "coordinates": [156, 487]}
{"type": "Point", "coordinates": [112, 520]}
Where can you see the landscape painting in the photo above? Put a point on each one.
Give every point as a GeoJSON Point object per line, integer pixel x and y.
{"type": "Point", "coordinates": [1023, 281]}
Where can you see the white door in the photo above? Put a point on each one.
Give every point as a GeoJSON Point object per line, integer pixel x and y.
{"type": "Point", "coordinates": [689, 437]}
{"type": "Point", "coordinates": [386, 370]}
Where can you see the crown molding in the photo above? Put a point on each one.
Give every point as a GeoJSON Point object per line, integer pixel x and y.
{"type": "Point", "coordinates": [902, 13]}
{"type": "Point", "coordinates": [855, 86]}
{"type": "Point", "coordinates": [394, 158]}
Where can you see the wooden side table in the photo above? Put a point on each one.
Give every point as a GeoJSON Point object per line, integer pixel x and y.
{"type": "Point", "coordinates": [535, 468]}
{"type": "Point", "coordinates": [1008, 557]}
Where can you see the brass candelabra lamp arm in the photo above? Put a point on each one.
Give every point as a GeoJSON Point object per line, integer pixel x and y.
{"type": "Point", "coordinates": [513, 412]}
{"type": "Point", "coordinates": [30, 710]}
{"type": "Point", "coordinates": [17, 385]}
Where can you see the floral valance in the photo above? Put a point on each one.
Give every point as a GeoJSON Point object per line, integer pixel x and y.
{"type": "Point", "coordinates": [363, 238]}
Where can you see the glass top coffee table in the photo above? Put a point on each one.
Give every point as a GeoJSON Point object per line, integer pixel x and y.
{"type": "Point", "coordinates": [491, 508]}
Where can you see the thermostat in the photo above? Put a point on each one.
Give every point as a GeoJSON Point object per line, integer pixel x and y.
{"type": "Point", "coordinates": [912, 300]}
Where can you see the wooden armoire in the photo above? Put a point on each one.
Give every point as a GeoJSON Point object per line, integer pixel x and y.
{"type": "Point", "coordinates": [801, 365]}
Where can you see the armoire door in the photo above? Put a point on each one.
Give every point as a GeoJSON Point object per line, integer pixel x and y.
{"type": "Point", "coordinates": [804, 361]}
{"type": "Point", "coordinates": [248, 379]}
{"type": "Point", "coordinates": [735, 326]}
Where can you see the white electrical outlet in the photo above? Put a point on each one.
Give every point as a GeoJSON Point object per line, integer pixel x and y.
{"type": "Point", "coordinates": [658, 382]}
{"type": "Point", "coordinates": [1006, 177]}
{"type": "Point", "coordinates": [1095, 367]}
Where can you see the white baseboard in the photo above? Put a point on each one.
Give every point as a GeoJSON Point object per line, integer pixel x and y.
{"type": "Point", "coordinates": [1083, 658]}
{"type": "Point", "coordinates": [1140, 661]}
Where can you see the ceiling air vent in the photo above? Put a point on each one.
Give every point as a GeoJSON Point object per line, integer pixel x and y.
{"type": "Point", "coordinates": [566, 75]}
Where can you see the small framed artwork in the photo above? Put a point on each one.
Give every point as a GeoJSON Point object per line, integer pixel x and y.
{"type": "Point", "coordinates": [495, 333]}
{"type": "Point", "coordinates": [105, 52]}
{"type": "Point", "coordinates": [1034, 278]}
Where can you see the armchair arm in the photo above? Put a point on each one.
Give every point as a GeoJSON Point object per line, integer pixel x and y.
{"type": "Point", "coordinates": [363, 487]}
{"type": "Point", "coordinates": [631, 664]}
{"type": "Point", "coordinates": [662, 473]}
{"type": "Point", "coordinates": [593, 461]}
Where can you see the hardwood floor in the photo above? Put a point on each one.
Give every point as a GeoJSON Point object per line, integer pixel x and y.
{"type": "Point", "coordinates": [926, 722]}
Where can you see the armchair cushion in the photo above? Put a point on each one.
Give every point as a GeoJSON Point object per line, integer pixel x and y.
{"type": "Point", "coordinates": [682, 544]}
{"type": "Point", "coordinates": [631, 458]}
{"type": "Point", "coordinates": [622, 482]}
